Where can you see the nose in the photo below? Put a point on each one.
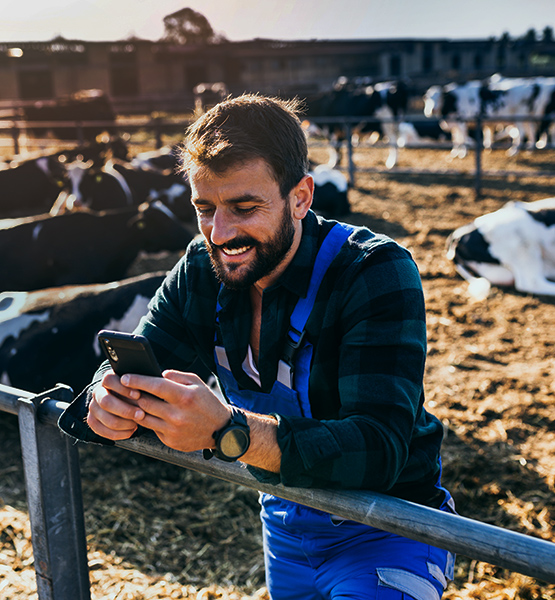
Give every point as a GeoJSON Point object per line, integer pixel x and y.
{"type": "Point", "coordinates": [223, 227]}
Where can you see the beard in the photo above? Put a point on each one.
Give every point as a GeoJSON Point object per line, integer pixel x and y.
{"type": "Point", "coordinates": [268, 255]}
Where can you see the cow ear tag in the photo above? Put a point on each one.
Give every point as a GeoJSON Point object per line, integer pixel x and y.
{"type": "Point", "coordinates": [98, 178]}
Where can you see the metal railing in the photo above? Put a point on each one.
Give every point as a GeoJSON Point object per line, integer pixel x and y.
{"type": "Point", "coordinates": [159, 127]}
{"type": "Point", "coordinates": [51, 466]}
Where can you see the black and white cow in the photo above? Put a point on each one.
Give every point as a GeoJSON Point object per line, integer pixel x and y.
{"type": "Point", "coordinates": [418, 132]}
{"type": "Point", "coordinates": [119, 183]}
{"type": "Point", "coordinates": [379, 107]}
{"type": "Point", "coordinates": [513, 246]}
{"type": "Point", "coordinates": [170, 187]}
{"type": "Point", "coordinates": [31, 186]}
{"type": "Point", "coordinates": [164, 160]}
{"type": "Point", "coordinates": [92, 186]}
{"type": "Point", "coordinates": [49, 336]}
{"type": "Point", "coordinates": [503, 99]}
{"type": "Point", "coordinates": [330, 191]}
{"type": "Point", "coordinates": [84, 246]}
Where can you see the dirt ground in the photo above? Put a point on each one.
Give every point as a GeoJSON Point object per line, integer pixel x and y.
{"type": "Point", "coordinates": [157, 531]}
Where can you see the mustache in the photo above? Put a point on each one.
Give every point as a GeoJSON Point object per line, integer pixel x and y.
{"type": "Point", "coordinates": [234, 244]}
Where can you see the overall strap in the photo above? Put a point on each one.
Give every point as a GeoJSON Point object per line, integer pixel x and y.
{"type": "Point", "coordinates": [221, 354]}
{"type": "Point", "coordinates": [328, 251]}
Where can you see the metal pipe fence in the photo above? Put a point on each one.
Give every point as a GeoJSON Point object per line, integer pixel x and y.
{"type": "Point", "coordinates": [51, 466]}
{"type": "Point", "coordinates": [158, 128]}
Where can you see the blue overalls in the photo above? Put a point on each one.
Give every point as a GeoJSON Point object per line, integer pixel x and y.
{"type": "Point", "coordinates": [310, 554]}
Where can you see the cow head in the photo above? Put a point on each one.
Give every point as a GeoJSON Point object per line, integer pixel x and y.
{"type": "Point", "coordinates": [158, 228]}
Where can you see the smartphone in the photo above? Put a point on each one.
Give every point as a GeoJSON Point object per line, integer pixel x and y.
{"type": "Point", "coordinates": [129, 353]}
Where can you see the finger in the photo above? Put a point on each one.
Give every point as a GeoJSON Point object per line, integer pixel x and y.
{"type": "Point", "coordinates": [112, 382]}
{"type": "Point", "coordinates": [103, 417]}
{"type": "Point", "coordinates": [159, 387]}
{"type": "Point", "coordinates": [112, 434]}
{"type": "Point", "coordinates": [104, 400]}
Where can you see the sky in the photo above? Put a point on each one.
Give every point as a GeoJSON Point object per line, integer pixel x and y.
{"type": "Point", "coordinates": [101, 20]}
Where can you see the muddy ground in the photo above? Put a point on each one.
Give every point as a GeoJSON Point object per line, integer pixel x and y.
{"type": "Point", "coordinates": [156, 531]}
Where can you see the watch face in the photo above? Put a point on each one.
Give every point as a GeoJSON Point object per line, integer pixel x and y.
{"type": "Point", "coordinates": [234, 442]}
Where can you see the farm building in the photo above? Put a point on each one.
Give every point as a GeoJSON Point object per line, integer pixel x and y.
{"type": "Point", "coordinates": [142, 75]}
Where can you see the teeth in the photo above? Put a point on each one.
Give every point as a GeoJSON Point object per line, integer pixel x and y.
{"type": "Point", "coordinates": [235, 251]}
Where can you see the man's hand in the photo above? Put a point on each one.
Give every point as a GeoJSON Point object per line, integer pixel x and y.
{"type": "Point", "coordinates": [113, 409]}
{"type": "Point", "coordinates": [179, 407]}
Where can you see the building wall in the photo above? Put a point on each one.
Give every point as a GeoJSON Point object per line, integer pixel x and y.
{"type": "Point", "coordinates": [143, 75]}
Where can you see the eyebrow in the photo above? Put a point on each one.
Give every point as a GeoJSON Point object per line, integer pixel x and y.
{"type": "Point", "coordinates": [236, 200]}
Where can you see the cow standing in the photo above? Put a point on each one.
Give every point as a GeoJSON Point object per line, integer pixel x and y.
{"type": "Point", "coordinates": [503, 99]}
{"type": "Point", "coordinates": [513, 246]}
{"type": "Point", "coordinates": [380, 107]}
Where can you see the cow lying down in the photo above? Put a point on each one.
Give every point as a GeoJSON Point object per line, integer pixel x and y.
{"type": "Point", "coordinates": [49, 336]}
{"type": "Point", "coordinates": [513, 246]}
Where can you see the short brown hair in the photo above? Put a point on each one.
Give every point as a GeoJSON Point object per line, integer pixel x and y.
{"type": "Point", "coordinates": [248, 127]}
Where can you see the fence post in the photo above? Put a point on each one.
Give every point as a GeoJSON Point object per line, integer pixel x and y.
{"type": "Point", "coordinates": [351, 164]}
{"type": "Point", "coordinates": [479, 146]}
{"type": "Point", "coordinates": [156, 124]}
{"type": "Point", "coordinates": [53, 483]}
{"type": "Point", "coordinates": [80, 132]}
{"type": "Point", "coordinates": [15, 136]}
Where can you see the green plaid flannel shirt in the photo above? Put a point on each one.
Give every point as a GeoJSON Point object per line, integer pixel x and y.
{"type": "Point", "coordinates": [369, 428]}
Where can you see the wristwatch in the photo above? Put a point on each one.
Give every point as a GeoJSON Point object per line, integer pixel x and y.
{"type": "Point", "coordinates": [232, 440]}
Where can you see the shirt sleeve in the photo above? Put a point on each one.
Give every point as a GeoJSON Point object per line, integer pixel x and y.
{"type": "Point", "coordinates": [381, 434]}
{"type": "Point", "coordinates": [170, 338]}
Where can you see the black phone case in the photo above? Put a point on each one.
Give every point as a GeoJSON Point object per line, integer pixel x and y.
{"type": "Point", "coordinates": [129, 353]}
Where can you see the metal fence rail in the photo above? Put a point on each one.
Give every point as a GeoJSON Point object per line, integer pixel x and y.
{"type": "Point", "coordinates": [56, 510]}
{"type": "Point", "coordinates": [13, 129]}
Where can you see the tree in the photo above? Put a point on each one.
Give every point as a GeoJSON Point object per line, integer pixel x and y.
{"type": "Point", "coordinates": [187, 26]}
{"type": "Point", "coordinates": [547, 34]}
{"type": "Point", "coordinates": [530, 35]}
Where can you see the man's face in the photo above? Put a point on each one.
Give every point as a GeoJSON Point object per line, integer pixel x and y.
{"type": "Point", "coordinates": [249, 229]}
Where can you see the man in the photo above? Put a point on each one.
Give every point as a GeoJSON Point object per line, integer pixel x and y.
{"type": "Point", "coordinates": [316, 333]}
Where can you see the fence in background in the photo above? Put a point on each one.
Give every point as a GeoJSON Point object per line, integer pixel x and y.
{"type": "Point", "coordinates": [14, 131]}
{"type": "Point", "coordinates": [53, 485]}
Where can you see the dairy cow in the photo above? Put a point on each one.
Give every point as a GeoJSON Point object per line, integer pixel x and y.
{"type": "Point", "coordinates": [31, 186]}
{"type": "Point", "coordinates": [91, 107]}
{"type": "Point", "coordinates": [84, 246]}
{"type": "Point", "coordinates": [513, 246]}
{"type": "Point", "coordinates": [49, 336]}
{"type": "Point", "coordinates": [379, 107]}
{"type": "Point", "coordinates": [119, 183]}
{"type": "Point", "coordinates": [330, 191]}
{"type": "Point", "coordinates": [168, 186]}
{"type": "Point", "coordinates": [92, 186]}
{"type": "Point", "coordinates": [164, 160]}
{"type": "Point", "coordinates": [502, 99]}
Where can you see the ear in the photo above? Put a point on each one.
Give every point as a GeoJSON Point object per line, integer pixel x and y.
{"type": "Point", "coordinates": [301, 197]}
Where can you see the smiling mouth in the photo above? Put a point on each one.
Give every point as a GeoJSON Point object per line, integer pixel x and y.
{"type": "Point", "coordinates": [235, 251]}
